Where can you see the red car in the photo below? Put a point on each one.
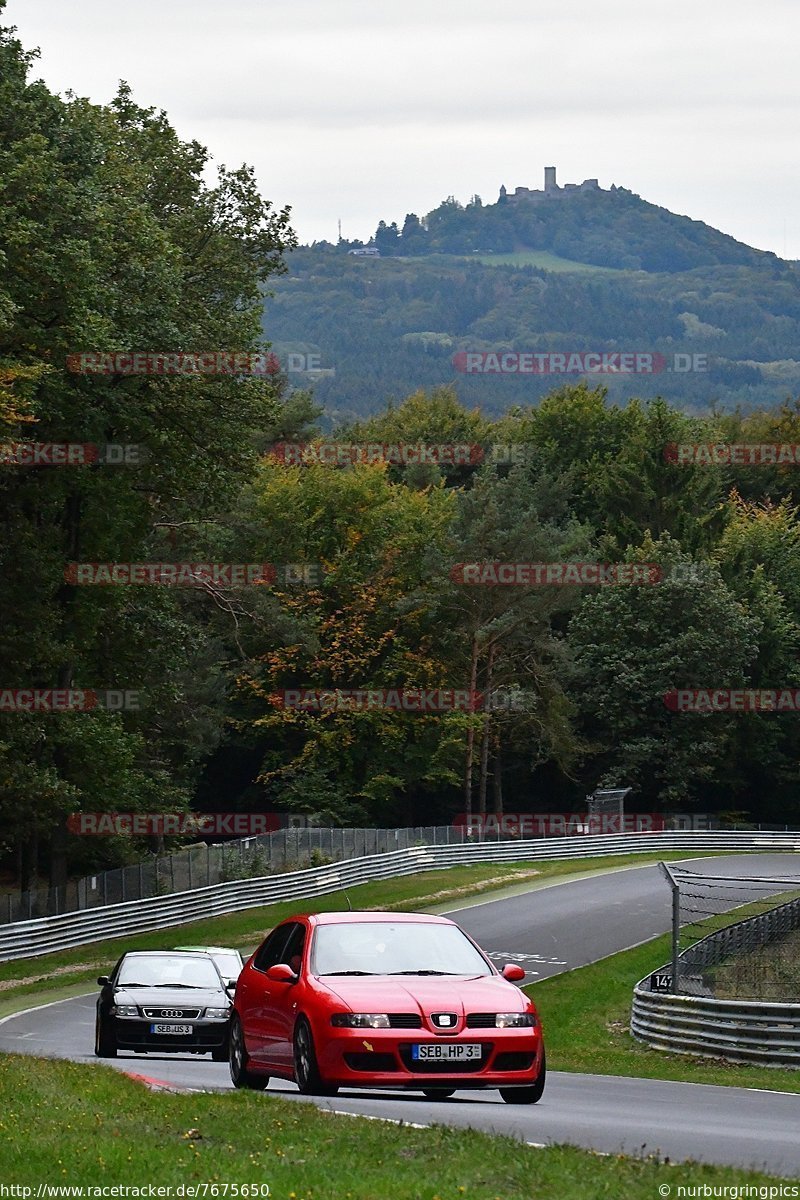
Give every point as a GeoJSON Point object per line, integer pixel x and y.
{"type": "Point", "coordinates": [389, 1000]}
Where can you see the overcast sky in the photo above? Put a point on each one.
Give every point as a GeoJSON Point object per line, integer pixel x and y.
{"type": "Point", "coordinates": [360, 110]}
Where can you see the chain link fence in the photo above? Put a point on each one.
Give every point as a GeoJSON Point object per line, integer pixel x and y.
{"type": "Point", "coordinates": [755, 958]}
{"type": "Point", "coordinates": [204, 864]}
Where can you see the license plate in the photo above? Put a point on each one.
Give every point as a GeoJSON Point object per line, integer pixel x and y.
{"type": "Point", "coordinates": [183, 1030]}
{"type": "Point", "coordinates": [445, 1051]}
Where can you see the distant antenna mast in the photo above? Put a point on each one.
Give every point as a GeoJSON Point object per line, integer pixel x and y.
{"type": "Point", "coordinates": [340, 228]}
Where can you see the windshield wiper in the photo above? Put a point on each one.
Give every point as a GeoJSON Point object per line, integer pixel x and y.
{"type": "Point", "coordinates": [349, 972]}
{"type": "Point", "coordinates": [424, 972]}
{"type": "Point", "coordinates": [198, 987]}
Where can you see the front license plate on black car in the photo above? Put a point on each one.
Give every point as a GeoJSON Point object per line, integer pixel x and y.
{"type": "Point", "coordinates": [445, 1052]}
{"type": "Point", "coordinates": [183, 1030]}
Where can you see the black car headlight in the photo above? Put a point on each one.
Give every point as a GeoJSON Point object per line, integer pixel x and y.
{"type": "Point", "coordinates": [124, 1010]}
{"type": "Point", "coordinates": [360, 1020]}
{"type": "Point", "coordinates": [218, 1014]}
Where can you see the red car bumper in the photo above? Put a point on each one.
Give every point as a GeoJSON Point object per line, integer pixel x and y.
{"type": "Point", "coordinates": [385, 1058]}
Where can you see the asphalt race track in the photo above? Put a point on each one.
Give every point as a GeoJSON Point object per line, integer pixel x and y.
{"type": "Point", "coordinates": [547, 930]}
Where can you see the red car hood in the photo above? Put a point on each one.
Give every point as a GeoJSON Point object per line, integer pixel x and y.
{"type": "Point", "coordinates": [426, 993]}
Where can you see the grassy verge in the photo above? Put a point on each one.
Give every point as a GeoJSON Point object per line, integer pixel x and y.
{"type": "Point", "coordinates": [65, 973]}
{"type": "Point", "coordinates": [80, 1125]}
{"type": "Point", "coordinates": [586, 1018]}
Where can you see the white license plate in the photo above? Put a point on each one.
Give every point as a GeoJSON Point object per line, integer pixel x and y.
{"type": "Point", "coordinates": [183, 1030]}
{"type": "Point", "coordinates": [445, 1051]}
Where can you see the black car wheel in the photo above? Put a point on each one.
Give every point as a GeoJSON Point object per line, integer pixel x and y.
{"type": "Point", "coordinates": [238, 1061]}
{"type": "Point", "coordinates": [221, 1053]}
{"type": "Point", "coordinates": [438, 1093]}
{"type": "Point", "coordinates": [306, 1071]}
{"type": "Point", "coordinates": [105, 1041]}
{"type": "Point", "coordinates": [527, 1095]}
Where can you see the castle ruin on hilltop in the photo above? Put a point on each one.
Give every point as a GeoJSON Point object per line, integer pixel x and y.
{"type": "Point", "coordinates": [551, 191]}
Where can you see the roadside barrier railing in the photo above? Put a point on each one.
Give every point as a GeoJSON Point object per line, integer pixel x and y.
{"type": "Point", "coordinates": [43, 935]}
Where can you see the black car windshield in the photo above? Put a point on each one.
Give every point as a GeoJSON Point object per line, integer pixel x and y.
{"type": "Point", "coordinates": [156, 971]}
{"type": "Point", "coordinates": [384, 948]}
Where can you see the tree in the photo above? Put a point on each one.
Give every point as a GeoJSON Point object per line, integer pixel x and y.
{"type": "Point", "coordinates": [635, 644]}
{"type": "Point", "coordinates": [111, 241]}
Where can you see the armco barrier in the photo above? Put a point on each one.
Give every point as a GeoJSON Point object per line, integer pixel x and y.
{"type": "Point", "coordinates": [759, 1031]}
{"type": "Point", "coordinates": [738, 1030]}
{"type": "Point", "coordinates": [25, 939]}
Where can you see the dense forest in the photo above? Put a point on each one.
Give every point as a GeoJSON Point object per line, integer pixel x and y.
{"type": "Point", "coordinates": [114, 243]}
{"type": "Point", "coordinates": [381, 328]}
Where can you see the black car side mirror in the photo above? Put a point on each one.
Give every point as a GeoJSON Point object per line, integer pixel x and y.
{"type": "Point", "coordinates": [103, 980]}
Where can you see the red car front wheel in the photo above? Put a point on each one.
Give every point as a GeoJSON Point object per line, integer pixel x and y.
{"type": "Point", "coordinates": [306, 1070]}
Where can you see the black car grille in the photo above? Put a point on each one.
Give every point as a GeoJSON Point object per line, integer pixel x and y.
{"type": "Point", "coordinates": [432, 1067]}
{"type": "Point", "coordinates": [132, 1034]}
{"type": "Point", "coordinates": [405, 1021]}
{"type": "Point", "coordinates": [513, 1060]}
{"type": "Point", "coordinates": [481, 1020]}
{"type": "Point", "coordinates": [167, 1013]}
{"type": "Point", "coordinates": [371, 1062]}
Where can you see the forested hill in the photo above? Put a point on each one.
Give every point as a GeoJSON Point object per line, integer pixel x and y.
{"type": "Point", "coordinates": [606, 228]}
{"type": "Point", "coordinates": [383, 327]}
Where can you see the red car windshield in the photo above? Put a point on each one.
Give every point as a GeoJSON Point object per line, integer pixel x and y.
{"type": "Point", "coordinates": [383, 948]}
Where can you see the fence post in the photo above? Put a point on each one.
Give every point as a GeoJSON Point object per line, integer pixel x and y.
{"type": "Point", "coordinates": [676, 924]}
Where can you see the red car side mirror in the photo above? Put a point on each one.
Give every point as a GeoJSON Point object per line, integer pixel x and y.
{"type": "Point", "coordinates": [281, 973]}
{"type": "Point", "coordinates": [512, 973]}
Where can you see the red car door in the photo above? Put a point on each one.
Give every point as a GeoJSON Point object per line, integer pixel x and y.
{"type": "Point", "coordinates": [254, 995]}
{"type": "Point", "coordinates": [283, 1002]}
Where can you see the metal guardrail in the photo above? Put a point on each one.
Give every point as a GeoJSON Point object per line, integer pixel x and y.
{"type": "Point", "coordinates": [26, 939]}
{"type": "Point", "coordinates": [204, 864]}
{"type": "Point", "coordinates": [749, 1031]}
{"type": "Point", "coordinates": [759, 1031]}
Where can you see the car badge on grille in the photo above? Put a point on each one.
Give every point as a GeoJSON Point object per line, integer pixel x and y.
{"type": "Point", "coordinates": [172, 1012]}
{"type": "Point", "coordinates": [444, 1020]}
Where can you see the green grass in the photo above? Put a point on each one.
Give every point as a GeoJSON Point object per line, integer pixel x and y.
{"type": "Point", "coordinates": [586, 1017]}
{"type": "Point", "coordinates": [81, 1125]}
{"type": "Point", "coordinates": [71, 972]}
{"type": "Point", "coordinates": [543, 259]}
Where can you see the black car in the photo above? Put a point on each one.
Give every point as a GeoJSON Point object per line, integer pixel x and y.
{"type": "Point", "coordinates": [166, 1001]}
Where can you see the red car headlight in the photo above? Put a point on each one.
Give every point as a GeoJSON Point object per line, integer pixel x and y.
{"type": "Point", "coordinates": [515, 1020]}
{"type": "Point", "coordinates": [360, 1020]}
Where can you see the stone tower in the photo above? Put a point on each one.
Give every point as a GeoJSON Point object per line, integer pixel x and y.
{"type": "Point", "coordinates": [550, 179]}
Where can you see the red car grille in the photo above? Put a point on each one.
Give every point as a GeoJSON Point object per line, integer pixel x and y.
{"type": "Point", "coordinates": [405, 1021]}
